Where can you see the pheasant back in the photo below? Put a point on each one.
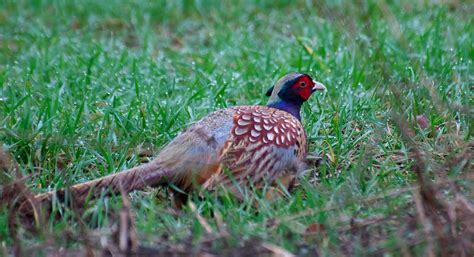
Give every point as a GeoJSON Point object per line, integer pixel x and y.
{"type": "Point", "coordinates": [254, 144]}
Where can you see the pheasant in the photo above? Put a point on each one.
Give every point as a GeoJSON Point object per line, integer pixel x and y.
{"type": "Point", "coordinates": [234, 147]}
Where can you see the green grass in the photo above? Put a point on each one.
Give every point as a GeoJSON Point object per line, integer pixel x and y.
{"type": "Point", "coordinates": [86, 86]}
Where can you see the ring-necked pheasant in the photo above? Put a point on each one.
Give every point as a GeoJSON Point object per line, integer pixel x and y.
{"type": "Point", "coordinates": [233, 147]}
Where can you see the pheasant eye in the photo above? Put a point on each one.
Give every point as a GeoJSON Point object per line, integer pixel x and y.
{"type": "Point", "coordinates": [302, 84]}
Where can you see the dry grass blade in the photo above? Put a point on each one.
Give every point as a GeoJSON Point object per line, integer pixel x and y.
{"type": "Point", "coordinates": [426, 225]}
{"type": "Point", "coordinates": [201, 220]}
{"type": "Point", "coordinates": [128, 240]}
{"type": "Point", "coordinates": [125, 239]}
{"type": "Point", "coordinates": [277, 251]}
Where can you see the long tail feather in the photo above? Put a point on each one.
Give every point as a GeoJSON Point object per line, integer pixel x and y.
{"type": "Point", "coordinates": [137, 178]}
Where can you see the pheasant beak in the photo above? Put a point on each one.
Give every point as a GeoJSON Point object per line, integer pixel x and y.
{"type": "Point", "coordinates": [318, 86]}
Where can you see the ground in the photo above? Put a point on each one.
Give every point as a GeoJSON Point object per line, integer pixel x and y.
{"type": "Point", "coordinates": [89, 88]}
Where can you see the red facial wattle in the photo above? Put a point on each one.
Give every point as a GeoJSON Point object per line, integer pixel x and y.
{"type": "Point", "coordinates": [303, 87]}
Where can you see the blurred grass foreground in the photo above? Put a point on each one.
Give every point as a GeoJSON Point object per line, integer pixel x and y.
{"type": "Point", "coordinates": [89, 88]}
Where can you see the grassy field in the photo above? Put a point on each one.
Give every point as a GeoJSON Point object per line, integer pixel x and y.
{"type": "Point", "coordinates": [88, 88]}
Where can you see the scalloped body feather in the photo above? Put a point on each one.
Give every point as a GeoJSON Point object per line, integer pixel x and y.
{"type": "Point", "coordinates": [255, 143]}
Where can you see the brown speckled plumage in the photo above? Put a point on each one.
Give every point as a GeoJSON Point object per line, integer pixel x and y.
{"type": "Point", "coordinates": [262, 146]}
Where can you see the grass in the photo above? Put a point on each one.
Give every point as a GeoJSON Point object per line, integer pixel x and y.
{"type": "Point", "coordinates": [90, 87]}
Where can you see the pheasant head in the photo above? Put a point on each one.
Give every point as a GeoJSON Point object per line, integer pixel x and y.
{"type": "Point", "coordinates": [291, 91]}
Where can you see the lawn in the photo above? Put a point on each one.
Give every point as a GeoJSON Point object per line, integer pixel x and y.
{"type": "Point", "coordinates": [89, 88]}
